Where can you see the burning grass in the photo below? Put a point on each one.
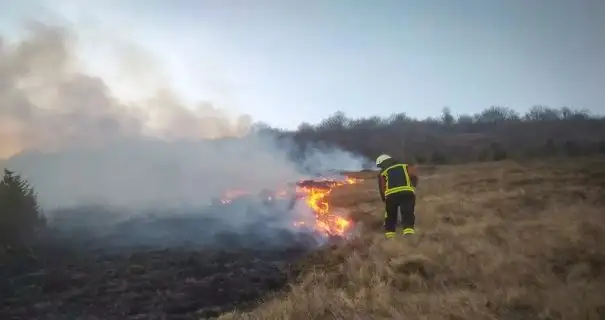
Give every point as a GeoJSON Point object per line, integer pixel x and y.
{"type": "Point", "coordinates": [495, 241]}
{"type": "Point", "coordinates": [314, 193]}
{"type": "Point", "coordinates": [182, 265]}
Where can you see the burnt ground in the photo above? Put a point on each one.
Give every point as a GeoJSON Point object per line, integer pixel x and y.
{"type": "Point", "coordinates": [186, 266]}
{"type": "Point", "coordinates": [154, 284]}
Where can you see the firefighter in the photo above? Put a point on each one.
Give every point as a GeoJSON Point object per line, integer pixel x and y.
{"type": "Point", "coordinates": [397, 183]}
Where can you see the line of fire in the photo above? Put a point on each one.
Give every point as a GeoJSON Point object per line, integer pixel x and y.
{"type": "Point", "coordinates": [314, 193]}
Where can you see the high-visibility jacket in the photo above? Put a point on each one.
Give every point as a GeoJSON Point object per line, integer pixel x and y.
{"type": "Point", "coordinates": [396, 177]}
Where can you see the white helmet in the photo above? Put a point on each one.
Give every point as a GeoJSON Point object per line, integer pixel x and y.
{"type": "Point", "coordinates": [381, 158]}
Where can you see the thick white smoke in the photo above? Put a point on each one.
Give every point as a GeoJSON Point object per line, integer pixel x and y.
{"type": "Point", "coordinates": [141, 174]}
{"type": "Point", "coordinates": [95, 149]}
{"type": "Point", "coordinates": [49, 103]}
{"type": "Point", "coordinates": [80, 146]}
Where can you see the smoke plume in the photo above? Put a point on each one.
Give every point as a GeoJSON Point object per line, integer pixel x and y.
{"type": "Point", "coordinates": [48, 103]}
{"type": "Point", "coordinates": [102, 160]}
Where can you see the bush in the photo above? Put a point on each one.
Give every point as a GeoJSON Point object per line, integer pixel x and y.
{"type": "Point", "coordinates": [20, 217]}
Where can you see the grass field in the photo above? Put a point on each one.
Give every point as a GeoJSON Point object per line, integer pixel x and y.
{"type": "Point", "coordinates": [494, 241]}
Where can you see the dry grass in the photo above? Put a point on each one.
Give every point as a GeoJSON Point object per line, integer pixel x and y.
{"type": "Point", "coordinates": [495, 241]}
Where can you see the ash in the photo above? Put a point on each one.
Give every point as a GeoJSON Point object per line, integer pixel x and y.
{"type": "Point", "coordinates": [161, 265]}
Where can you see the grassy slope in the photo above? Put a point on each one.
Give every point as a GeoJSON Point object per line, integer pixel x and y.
{"type": "Point", "coordinates": [495, 241]}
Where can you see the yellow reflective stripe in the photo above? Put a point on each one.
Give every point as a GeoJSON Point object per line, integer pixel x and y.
{"type": "Point", "coordinates": [408, 231]}
{"type": "Point", "coordinates": [407, 177]}
{"type": "Point", "coordinates": [398, 189]}
{"type": "Point", "coordinates": [409, 187]}
{"type": "Point", "coordinates": [390, 234]}
{"type": "Point", "coordinates": [384, 173]}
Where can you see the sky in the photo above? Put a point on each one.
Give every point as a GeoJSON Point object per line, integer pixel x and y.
{"type": "Point", "coordinates": [286, 62]}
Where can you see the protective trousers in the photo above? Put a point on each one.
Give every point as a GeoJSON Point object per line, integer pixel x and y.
{"type": "Point", "coordinates": [404, 202]}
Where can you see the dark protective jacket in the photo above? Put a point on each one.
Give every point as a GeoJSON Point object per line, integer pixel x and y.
{"type": "Point", "coordinates": [395, 177]}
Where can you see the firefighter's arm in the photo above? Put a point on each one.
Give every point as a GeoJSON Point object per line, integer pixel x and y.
{"type": "Point", "coordinates": [413, 172]}
{"type": "Point", "coordinates": [381, 186]}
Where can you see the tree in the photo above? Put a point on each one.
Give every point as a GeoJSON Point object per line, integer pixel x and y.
{"type": "Point", "coordinates": [542, 113]}
{"type": "Point", "coordinates": [20, 217]}
{"type": "Point", "coordinates": [337, 121]}
{"type": "Point", "coordinates": [305, 127]}
{"type": "Point", "coordinates": [496, 115]}
{"type": "Point", "coordinates": [399, 119]}
{"type": "Point", "coordinates": [447, 117]}
{"type": "Point", "coordinates": [465, 123]}
{"type": "Point", "coordinates": [493, 134]}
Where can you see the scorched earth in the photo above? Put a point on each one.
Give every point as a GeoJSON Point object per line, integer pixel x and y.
{"type": "Point", "coordinates": [179, 267]}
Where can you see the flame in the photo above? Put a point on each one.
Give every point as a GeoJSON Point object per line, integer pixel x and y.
{"type": "Point", "coordinates": [326, 221]}
{"type": "Point", "coordinates": [314, 193]}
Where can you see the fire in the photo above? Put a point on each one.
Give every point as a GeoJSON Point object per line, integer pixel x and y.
{"type": "Point", "coordinates": [314, 193]}
{"type": "Point", "coordinates": [316, 198]}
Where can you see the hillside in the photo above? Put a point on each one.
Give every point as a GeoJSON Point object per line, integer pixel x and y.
{"type": "Point", "coordinates": [130, 200]}
{"type": "Point", "coordinates": [498, 240]}
{"type": "Point", "coordinates": [501, 240]}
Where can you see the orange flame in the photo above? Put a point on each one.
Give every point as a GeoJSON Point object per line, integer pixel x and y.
{"type": "Point", "coordinates": [326, 221]}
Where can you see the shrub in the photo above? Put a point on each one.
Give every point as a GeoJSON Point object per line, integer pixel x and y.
{"type": "Point", "coordinates": [20, 217]}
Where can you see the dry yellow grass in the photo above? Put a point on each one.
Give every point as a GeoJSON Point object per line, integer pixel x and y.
{"type": "Point", "coordinates": [495, 241]}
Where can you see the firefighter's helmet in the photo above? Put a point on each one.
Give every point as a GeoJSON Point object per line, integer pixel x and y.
{"type": "Point", "coordinates": [381, 158]}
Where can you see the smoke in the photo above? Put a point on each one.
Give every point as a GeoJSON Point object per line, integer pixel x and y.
{"type": "Point", "coordinates": [100, 164]}
{"type": "Point", "coordinates": [48, 103]}
{"type": "Point", "coordinates": [321, 161]}
{"type": "Point", "coordinates": [146, 173]}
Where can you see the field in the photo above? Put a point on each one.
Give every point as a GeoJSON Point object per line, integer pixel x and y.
{"type": "Point", "coordinates": [500, 240]}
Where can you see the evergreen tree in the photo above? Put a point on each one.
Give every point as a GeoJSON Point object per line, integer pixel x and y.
{"type": "Point", "coordinates": [20, 217]}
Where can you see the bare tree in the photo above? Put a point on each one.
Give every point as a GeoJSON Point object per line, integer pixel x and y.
{"type": "Point", "coordinates": [495, 133]}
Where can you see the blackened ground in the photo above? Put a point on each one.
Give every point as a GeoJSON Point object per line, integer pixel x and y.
{"type": "Point", "coordinates": [185, 265]}
{"type": "Point", "coordinates": [319, 184]}
{"type": "Point", "coordinates": [61, 283]}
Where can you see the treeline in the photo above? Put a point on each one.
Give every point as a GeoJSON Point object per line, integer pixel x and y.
{"type": "Point", "coordinates": [496, 133]}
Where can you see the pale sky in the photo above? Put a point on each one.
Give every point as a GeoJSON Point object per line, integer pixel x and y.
{"type": "Point", "coordinates": [285, 62]}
